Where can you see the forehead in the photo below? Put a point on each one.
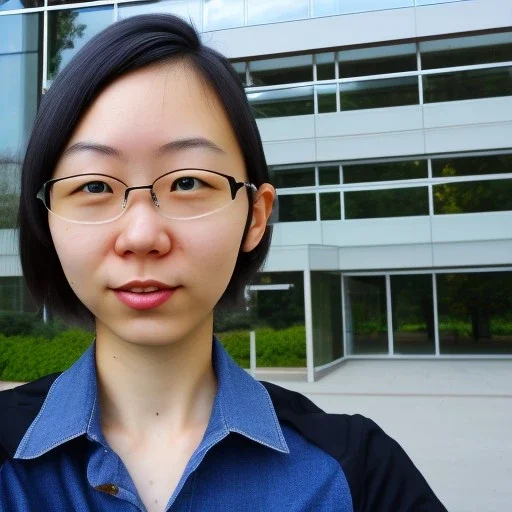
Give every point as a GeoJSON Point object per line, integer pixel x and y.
{"type": "Point", "coordinates": [148, 108]}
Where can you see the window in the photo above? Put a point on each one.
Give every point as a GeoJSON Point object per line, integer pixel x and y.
{"type": "Point", "coordinates": [468, 85]}
{"type": "Point", "coordinates": [473, 197]}
{"type": "Point", "coordinates": [297, 207]}
{"type": "Point", "coordinates": [294, 101]}
{"type": "Point", "coordinates": [326, 97]}
{"type": "Point", "coordinates": [471, 166]}
{"type": "Point", "coordinates": [189, 10]}
{"type": "Point", "coordinates": [413, 314]}
{"type": "Point", "coordinates": [240, 68]}
{"type": "Point", "coordinates": [271, 11]}
{"type": "Point", "coordinates": [377, 60]}
{"type": "Point", "coordinates": [295, 177]}
{"type": "Point", "coordinates": [283, 70]}
{"type": "Point", "coordinates": [69, 30]}
{"type": "Point", "coordinates": [394, 202]}
{"type": "Point", "coordinates": [330, 206]}
{"type": "Point", "coordinates": [366, 331]}
{"type": "Point", "coordinates": [325, 66]}
{"type": "Point", "coordinates": [385, 171]}
{"type": "Point", "coordinates": [329, 175]}
{"type": "Point", "coordinates": [475, 313]}
{"type": "Point", "coordinates": [466, 51]}
{"type": "Point", "coordinates": [220, 14]}
{"type": "Point", "coordinates": [389, 92]}
{"type": "Point", "coordinates": [20, 68]}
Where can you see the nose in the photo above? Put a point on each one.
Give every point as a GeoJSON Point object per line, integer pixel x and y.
{"type": "Point", "coordinates": [141, 230]}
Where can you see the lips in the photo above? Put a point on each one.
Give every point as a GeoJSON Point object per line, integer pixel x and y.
{"type": "Point", "coordinates": [143, 295]}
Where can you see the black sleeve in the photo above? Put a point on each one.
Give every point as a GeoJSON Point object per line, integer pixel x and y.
{"type": "Point", "coordinates": [380, 474]}
{"type": "Point", "coordinates": [381, 477]}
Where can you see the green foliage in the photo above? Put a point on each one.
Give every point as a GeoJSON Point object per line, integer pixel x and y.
{"type": "Point", "coordinates": [25, 358]}
{"type": "Point", "coordinates": [13, 323]}
{"type": "Point", "coordinates": [274, 347]}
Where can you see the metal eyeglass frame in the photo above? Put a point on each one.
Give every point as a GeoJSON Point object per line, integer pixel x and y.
{"type": "Point", "coordinates": [235, 186]}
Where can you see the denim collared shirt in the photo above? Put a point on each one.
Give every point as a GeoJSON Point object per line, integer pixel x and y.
{"type": "Point", "coordinates": [246, 460]}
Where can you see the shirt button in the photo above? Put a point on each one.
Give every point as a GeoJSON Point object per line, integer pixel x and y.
{"type": "Point", "coordinates": [108, 489]}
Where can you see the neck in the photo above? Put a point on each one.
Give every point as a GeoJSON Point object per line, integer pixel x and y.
{"type": "Point", "coordinates": [142, 387]}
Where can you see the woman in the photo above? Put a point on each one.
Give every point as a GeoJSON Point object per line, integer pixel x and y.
{"type": "Point", "coordinates": [151, 169]}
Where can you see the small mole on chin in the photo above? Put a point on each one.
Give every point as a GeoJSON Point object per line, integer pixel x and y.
{"type": "Point", "coordinates": [157, 414]}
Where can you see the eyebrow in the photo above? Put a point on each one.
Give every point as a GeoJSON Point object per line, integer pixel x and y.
{"type": "Point", "coordinates": [171, 147]}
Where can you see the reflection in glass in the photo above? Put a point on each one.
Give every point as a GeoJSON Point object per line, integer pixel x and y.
{"type": "Point", "coordinates": [394, 202]}
{"type": "Point", "coordinates": [282, 70]}
{"type": "Point", "coordinates": [471, 165]}
{"type": "Point", "coordinates": [352, 6]}
{"type": "Point", "coordinates": [326, 98]}
{"type": "Point", "coordinates": [295, 177]}
{"type": "Point", "coordinates": [220, 14]}
{"type": "Point", "coordinates": [325, 66]}
{"type": "Point", "coordinates": [466, 51]}
{"type": "Point", "coordinates": [413, 314]}
{"type": "Point", "coordinates": [330, 206]}
{"type": "Point", "coordinates": [240, 68]}
{"type": "Point", "coordinates": [189, 10]}
{"type": "Point", "coordinates": [473, 197]}
{"type": "Point", "coordinates": [8, 5]}
{"type": "Point", "coordinates": [468, 85]}
{"type": "Point", "coordinates": [377, 60]}
{"type": "Point", "coordinates": [294, 101]}
{"type": "Point", "coordinates": [21, 69]}
{"type": "Point", "coordinates": [278, 318]}
{"type": "Point", "coordinates": [271, 11]}
{"type": "Point", "coordinates": [324, 8]}
{"type": "Point", "coordinates": [69, 30]}
{"type": "Point", "coordinates": [475, 313]}
{"type": "Point", "coordinates": [366, 331]}
{"type": "Point", "coordinates": [297, 207]}
{"type": "Point", "coordinates": [385, 171]}
{"type": "Point", "coordinates": [328, 175]}
{"type": "Point", "coordinates": [389, 92]}
{"type": "Point", "coordinates": [327, 317]}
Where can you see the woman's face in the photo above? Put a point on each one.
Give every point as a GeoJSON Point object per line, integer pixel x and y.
{"type": "Point", "coordinates": [130, 133]}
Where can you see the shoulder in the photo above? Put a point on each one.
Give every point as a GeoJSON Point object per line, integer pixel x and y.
{"type": "Point", "coordinates": [380, 474]}
{"type": "Point", "coordinates": [18, 409]}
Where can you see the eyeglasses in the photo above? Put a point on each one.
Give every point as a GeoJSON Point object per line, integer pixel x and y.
{"type": "Point", "coordinates": [179, 194]}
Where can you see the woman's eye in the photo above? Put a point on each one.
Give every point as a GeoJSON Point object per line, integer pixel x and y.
{"type": "Point", "coordinates": [186, 184]}
{"type": "Point", "coordinates": [96, 187]}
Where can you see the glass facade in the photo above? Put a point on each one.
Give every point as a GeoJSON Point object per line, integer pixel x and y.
{"type": "Point", "coordinates": [400, 188]}
{"type": "Point", "coordinates": [460, 68]}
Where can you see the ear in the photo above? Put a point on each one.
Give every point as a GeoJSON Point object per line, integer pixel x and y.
{"type": "Point", "coordinates": [262, 208]}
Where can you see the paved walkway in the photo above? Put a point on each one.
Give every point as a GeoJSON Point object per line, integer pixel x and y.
{"type": "Point", "coordinates": [454, 419]}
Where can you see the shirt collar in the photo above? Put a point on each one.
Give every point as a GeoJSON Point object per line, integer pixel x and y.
{"type": "Point", "coordinates": [71, 410]}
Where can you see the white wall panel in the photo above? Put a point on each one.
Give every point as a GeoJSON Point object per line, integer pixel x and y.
{"type": "Point", "coordinates": [286, 258]}
{"type": "Point", "coordinates": [468, 112]}
{"type": "Point", "coordinates": [10, 266]}
{"type": "Point", "coordinates": [322, 257]}
{"type": "Point", "coordinates": [371, 146]}
{"type": "Point", "coordinates": [375, 120]}
{"type": "Point", "coordinates": [447, 18]}
{"type": "Point", "coordinates": [303, 35]}
{"type": "Point", "coordinates": [469, 138]}
{"type": "Point", "coordinates": [385, 257]}
{"type": "Point", "coordinates": [473, 253]}
{"type": "Point", "coordinates": [299, 233]}
{"type": "Point", "coordinates": [294, 151]}
{"type": "Point", "coordinates": [370, 232]}
{"type": "Point", "coordinates": [472, 227]}
{"type": "Point", "coordinates": [286, 128]}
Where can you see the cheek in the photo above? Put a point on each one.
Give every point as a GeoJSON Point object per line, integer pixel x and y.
{"type": "Point", "coordinates": [78, 251]}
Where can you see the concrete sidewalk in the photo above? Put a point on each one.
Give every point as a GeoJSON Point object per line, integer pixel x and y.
{"type": "Point", "coordinates": [453, 418]}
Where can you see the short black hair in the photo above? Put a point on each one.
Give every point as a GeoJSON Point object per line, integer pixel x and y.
{"type": "Point", "coordinates": [123, 47]}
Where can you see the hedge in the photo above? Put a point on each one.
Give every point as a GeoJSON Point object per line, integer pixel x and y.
{"type": "Point", "coordinates": [24, 358]}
